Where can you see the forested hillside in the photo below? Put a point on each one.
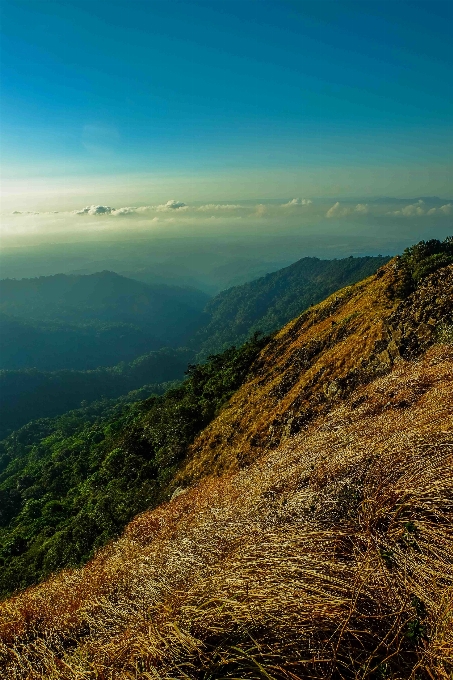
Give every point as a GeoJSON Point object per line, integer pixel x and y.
{"type": "Point", "coordinates": [70, 484]}
{"type": "Point", "coordinates": [29, 393]}
{"type": "Point", "coordinates": [309, 529]}
{"type": "Point", "coordinates": [269, 302]}
{"type": "Point", "coordinates": [82, 322]}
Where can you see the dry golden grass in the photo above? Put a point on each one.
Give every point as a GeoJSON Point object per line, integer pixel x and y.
{"type": "Point", "coordinates": [331, 556]}
{"type": "Point", "coordinates": [297, 373]}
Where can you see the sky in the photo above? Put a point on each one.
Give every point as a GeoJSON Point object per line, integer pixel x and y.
{"type": "Point", "coordinates": [132, 104]}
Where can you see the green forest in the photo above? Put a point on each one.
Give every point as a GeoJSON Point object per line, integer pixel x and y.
{"type": "Point", "coordinates": [29, 393]}
{"type": "Point", "coordinates": [70, 484]}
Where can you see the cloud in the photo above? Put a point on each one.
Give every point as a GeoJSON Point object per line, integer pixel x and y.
{"type": "Point", "coordinates": [446, 209]}
{"type": "Point", "coordinates": [209, 207]}
{"type": "Point", "coordinates": [411, 210]}
{"type": "Point", "coordinates": [297, 201]}
{"type": "Point", "coordinates": [95, 210]}
{"type": "Point", "coordinates": [337, 210]}
{"type": "Point", "coordinates": [172, 205]}
{"type": "Point", "coordinates": [124, 211]}
{"type": "Point", "coordinates": [261, 210]}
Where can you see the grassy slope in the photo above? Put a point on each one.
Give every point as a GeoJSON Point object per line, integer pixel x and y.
{"type": "Point", "coordinates": [354, 335]}
{"type": "Point", "coordinates": [330, 556]}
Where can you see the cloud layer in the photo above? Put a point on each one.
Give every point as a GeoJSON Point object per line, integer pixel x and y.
{"type": "Point", "coordinates": [420, 208]}
{"type": "Point", "coordinates": [415, 219]}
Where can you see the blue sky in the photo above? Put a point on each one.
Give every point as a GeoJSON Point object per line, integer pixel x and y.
{"type": "Point", "coordinates": [256, 94]}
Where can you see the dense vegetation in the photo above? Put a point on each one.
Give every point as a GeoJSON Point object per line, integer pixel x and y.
{"type": "Point", "coordinates": [268, 303]}
{"type": "Point", "coordinates": [422, 259]}
{"type": "Point", "coordinates": [82, 322]}
{"type": "Point", "coordinates": [28, 394]}
{"type": "Point", "coordinates": [70, 484]}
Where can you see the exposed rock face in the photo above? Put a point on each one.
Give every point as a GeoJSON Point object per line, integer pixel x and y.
{"type": "Point", "coordinates": [356, 335]}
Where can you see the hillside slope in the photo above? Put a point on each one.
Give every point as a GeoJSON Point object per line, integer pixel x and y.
{"type": "Point", "coordinates": [325, 548]}
{"type": "Point", "coordinates": [269, 302]}
{"type": "Point", "coordinates": [353, 336]}
{"type": "Point", "coordinates": [70, 484]}
{"type": "Point", "coordinates": [329, 557]}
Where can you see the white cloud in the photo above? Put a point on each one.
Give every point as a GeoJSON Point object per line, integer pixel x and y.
{"type": "Point", "coordinates": [447, 209]}
{"type": "Point", "coordinates": [412, 210]}
{"type": "Point", "coordinates": [431, 211]}
{"type": "Point", "coordinates": [124, 211]}
{"type": "Point", "coordinates": [172, 205]}
{"type": "Point", "coordinates": [95, 210]}
{"type": "Point", "coordinates": [209, 207]}
{"type": "Point", "coordinates": [297, 201]}
{"type": "Point", "coordinates": [337, 210]}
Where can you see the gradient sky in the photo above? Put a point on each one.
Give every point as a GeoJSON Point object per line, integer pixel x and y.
{"type": "Point", "coordinates": [222, 99]}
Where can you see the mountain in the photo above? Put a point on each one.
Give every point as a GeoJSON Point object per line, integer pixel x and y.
{"type": "Point", "coordinates": [307, 528]}
{"type": "Point", "coordinates": [82, 322]}
{"type": "Point", "coordinates": [269, 302]}
{"type": "Point", "coordinates": [29, 394]}
{"type": "Point", "coordinates": [75, 327]}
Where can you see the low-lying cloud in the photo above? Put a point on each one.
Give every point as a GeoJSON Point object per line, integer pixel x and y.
{"type": "Point", "coordinates": [420, 208]}
{"type": "Point", "coordinates": [384, 218]}
{"type": "Point", "coordinates": [172, 205]}
{"type": "Point", "coordinates": [339, 210]}
{"type": "Point", "coordinates": [95, 210]}
{"type": "Point", "coordinates": [296, 202]}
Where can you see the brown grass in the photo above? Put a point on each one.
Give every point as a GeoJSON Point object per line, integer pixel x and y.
{"type": "Point", "coordinates": [331, 556]}
{"type": "Point", "coordinates": [299, 373]}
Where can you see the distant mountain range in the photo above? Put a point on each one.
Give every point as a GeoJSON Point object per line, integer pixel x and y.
{"type": "Point", "coordinates": [82, 322]}
{"type": "Point", "coordinates": [71, 339]}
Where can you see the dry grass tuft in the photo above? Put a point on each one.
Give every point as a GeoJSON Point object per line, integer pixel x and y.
{"type": "Point", "coordinates": [331, 556]}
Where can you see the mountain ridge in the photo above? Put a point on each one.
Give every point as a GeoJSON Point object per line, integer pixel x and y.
{"type": "Point", "coordinates": [267, 303]}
